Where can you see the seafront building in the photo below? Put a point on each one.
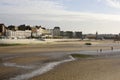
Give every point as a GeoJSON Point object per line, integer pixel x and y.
{"type": "Point", "coordinates": [25, 32]}
{"type": "Point", "coordinates": [56, 32]}
{"type": "Point", "coordinates": [68, 34]}
{"type": "Point", "coordinates": [78, 34]}
{"type": "Point", "coordinates": [18, 34]}
{"type": "Point", "coordinates": [40, 32]}
{"type": "Point", "coordinates": [102, 36]}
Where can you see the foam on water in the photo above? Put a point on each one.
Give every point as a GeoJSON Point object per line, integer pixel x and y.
{"type": "Point", "coordinates": [41, 70]}
{"type": "Point", "coordinates": [18, 66]}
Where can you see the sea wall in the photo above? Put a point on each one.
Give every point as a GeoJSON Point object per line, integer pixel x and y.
{"type": "Point", "coordinates": [20, 41]}
{"type": "Point", "coordinates": [33, 41]}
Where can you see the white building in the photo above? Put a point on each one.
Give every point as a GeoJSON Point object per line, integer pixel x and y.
{"type": "Point", "coordinates": [40, 32]}
{"type": "Point", "coordinates": [18, 34]}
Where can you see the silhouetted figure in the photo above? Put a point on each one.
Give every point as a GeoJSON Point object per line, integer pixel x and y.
{"type": "Point", "coordinates": [111, 48]}
{"type": "Point", "coordinates": [100, 50]}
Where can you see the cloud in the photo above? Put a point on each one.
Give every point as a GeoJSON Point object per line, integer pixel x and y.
{"type": "Point", "coordinates": [111, 3]}
{"type": "Point", "coordinates": [52, 13]}
{"type": "Point", "coordinates": [114, 3]}
{"type": "Point", "coordinates": [29, 6]}
{"type": "Point", "coordinates": [50, 10]}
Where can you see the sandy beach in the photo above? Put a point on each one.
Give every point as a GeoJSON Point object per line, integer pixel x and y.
{"type": "Point", "coordinates": [60, 47]}
{"type": "Point", "coordinates": [95, 69]}
{"type": "Point", "coordinates": [25, 62]}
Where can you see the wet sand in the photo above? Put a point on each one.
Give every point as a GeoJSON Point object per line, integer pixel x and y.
{"type": "Point", "coordinates": [94, 69]}
{"type": "Point", "coordinates": [24, 59]}
{"type": "Point", "coordinates": [7, 72]}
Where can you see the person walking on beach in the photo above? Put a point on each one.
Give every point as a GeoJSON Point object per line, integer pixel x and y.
{"type": "Point", "coordinates": [100, 50]}
{"type": "Point", "coordinates": [112, 48]}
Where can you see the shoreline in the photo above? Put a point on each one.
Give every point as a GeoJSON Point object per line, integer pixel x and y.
{"type": "Point", "coordinates": [44, 69]}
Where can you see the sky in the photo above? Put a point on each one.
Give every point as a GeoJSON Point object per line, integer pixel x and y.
{"type": "Point", "coordinates": [87, 16]}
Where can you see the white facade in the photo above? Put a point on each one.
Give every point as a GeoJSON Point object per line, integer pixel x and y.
{"type": "Point", "coordinates": [18, 34]}
{"type": "Point", "coordinates": [41, 32]}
